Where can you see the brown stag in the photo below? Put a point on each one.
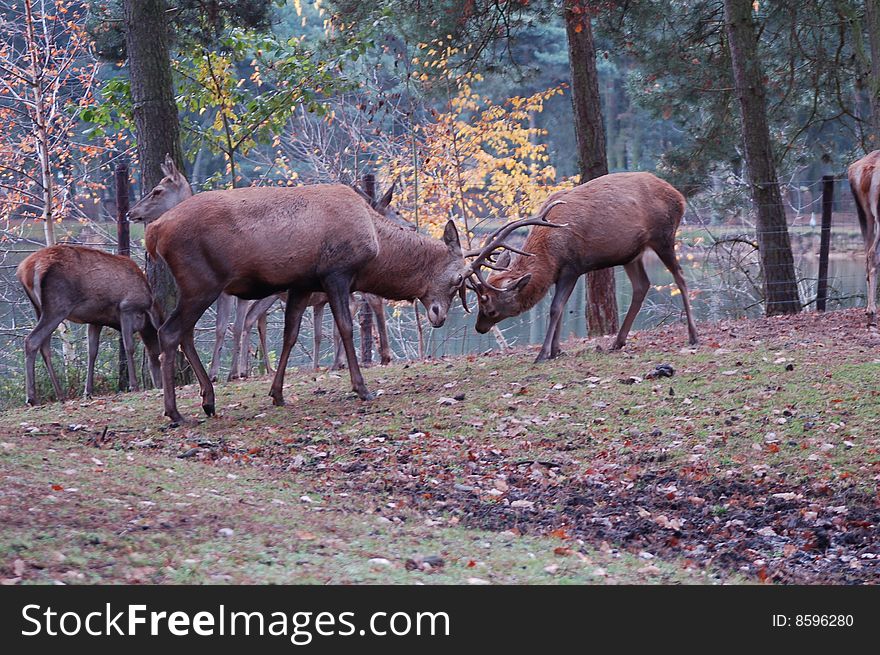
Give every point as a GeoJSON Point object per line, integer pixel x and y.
{"type": "Point", "coordinates": [254, 242]}
{"type": "Point", "coordinates": [85, 285]}
{"type": "Point", "coordinates": [256, 313]}
{"type": "Point", "coordinates": [864, 181]}
{"type": "Point", "coordinates": [174, 189]}
{"type": "Point", "coordinates": [609, 221]}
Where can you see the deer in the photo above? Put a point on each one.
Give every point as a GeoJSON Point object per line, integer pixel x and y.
{"type": "Point", "coordinates": [318, 302]}
{"type": "Point", "coordinates": [864, 182]}
{"type": "Point", "coordinates": [171, 190]}
{"type": "Point", "coordinates": [609, 221]}
{"type": "Point", "coordinates": [86, 285]}
{"type": "Point", "coordinates": [254, 242]}
{"type": "Point", "coordinates": [174, 189]}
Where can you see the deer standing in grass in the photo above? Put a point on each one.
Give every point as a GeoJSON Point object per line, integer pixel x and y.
{"type": "Point", "coordinates": [85, 285]}
{"type": "Point", "coordinates": [864, 182]}
{"type": "Point", "coordinates": [609, 221]}
{"type": "Point", "coordinates": [174, 189]}
{"type": "Point", "coordinates": [255, 242]}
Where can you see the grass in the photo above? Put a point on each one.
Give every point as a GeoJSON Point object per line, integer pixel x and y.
{"type": "Point", "coordinates": [331, 490]}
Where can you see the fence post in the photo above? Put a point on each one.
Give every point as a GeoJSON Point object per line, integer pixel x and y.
{"type": "Point", "coordinates": [123, 248]}
{"type": "Point", "coordinates": [825, 243]}
{"type": "Point", "coordinates": [368, 182]}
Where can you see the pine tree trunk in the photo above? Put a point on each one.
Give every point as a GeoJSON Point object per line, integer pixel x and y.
{"type": "Point", "coordinates": [592, 160]}
{"type": "Point", "coordinates": [156, 121]}
{"type": "Point", "coordinates": [780, 283]}
{"type": "Point", "coordinates": [872, 28]}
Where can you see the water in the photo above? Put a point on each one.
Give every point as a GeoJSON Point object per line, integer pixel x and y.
{"type": "Point", "coordinates": [716, 295]}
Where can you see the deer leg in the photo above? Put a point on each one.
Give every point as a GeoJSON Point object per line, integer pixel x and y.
{"type": "Point", "coordinates": [667, 256]}
{"type": "Point", "coordinates": [46, 353]}
{"type": "Point", "coordinates": [224, 310]}
{"type": "Point", "coordinates": [293, 313]}
{"type": "Point", "coordinates": [171, 335]}
{"type": "Point", "coordinates": [365, 316]}
{"type": "Point", "coordinates": [318, 321]}
{"type": "Point", "coordinates": [39, 340]}
{"type": "Point", "coordinates": [378, 307]}
{"type": "Point", "coordinates": [256, 314]}
{"type": "Point", "coordinates": [338, 351]}
{"type": "Point", "coordinates": [871, 257]}
{"type": "Point", "coordinates": [338, 290]}
{"type": "Point", "coordinates": [564, 286]}
{"type": "Point", "coordinates": [151, 345]}
{"type": "Point", "coordinates": [635, 270]}
{"type": "Point", "coordinates": [94, 332]}
{"type": "Point", "coordinates": [354, 308]}
{"type": "Point", "coordinates": [240, 341]}
{"type": "Point", "coordinates": [264, 345]}
{"type": "Point", "coordinates": [126, 324]}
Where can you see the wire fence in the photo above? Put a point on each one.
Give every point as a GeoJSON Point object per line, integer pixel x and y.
{"type": "Point", "coordinates": [717, 248]}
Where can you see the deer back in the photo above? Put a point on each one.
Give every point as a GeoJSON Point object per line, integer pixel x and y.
{"type": "Point", "coordinates": [93, 283]}
{"type": "Point", "coordinates": [254, 241]}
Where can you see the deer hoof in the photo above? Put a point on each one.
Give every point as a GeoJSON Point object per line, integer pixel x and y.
{"type": "Point", "coordinates": [542, 357]}
{"type": "Point", "coordinates": [277, 400]}
{"type": "Point", "coordinates": [31, 401]}
{"type": "Point", "coordinates": [386, 361]}
{"type": "Point", "coordinates": [209, 409]}
{"type": "Point", "coordinates": [366, 395]}
{"type": "Point", "coordinates": [694, 341]}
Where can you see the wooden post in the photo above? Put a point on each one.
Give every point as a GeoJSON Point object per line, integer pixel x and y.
{"type": "Point", "coordinates": [123, 248]}
{"type": "Point", "coordinates": [368, 182]}
{"type": "Point", "coordinates": [825, 243]}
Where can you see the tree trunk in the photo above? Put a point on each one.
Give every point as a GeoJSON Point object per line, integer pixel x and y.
{"type": "Point", "coordinates": [592, 161]}
{"type": "Point", "coordinates": [40, 120]}
{"type": "Point", "coordinates": [156, 121]}
{"type": "Point", "coordinates": [780, 283]}
{"type": "Point", "coordinates": [872, 28]}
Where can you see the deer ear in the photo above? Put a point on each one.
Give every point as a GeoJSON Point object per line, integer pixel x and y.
{"type": "Point", "coordinates": [386, 199]}
{"type": "Point", "coordinates": [520, 283]}
{"type": "Point", "coordinates": [167, 166]}
{"type": "Point", "coordinates": [450, 238]}
{"type": "Point", "coordinates": [504, 260]}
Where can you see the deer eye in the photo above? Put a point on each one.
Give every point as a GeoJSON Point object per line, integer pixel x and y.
{"type": "Point", "coordinates": [458, 280]}
{"type": "Point", "coordinates": [157, 191]}
{"type": "Point", "coordinates": [484, 298]}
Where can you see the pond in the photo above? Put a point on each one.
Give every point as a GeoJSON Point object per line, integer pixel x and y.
{"type": "Point", "coordinates": [716, 294]}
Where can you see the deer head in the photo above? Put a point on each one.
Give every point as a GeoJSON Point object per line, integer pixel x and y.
{"type": "Point", "coordinates": [448, 281]}
{"type": "Point", "coordinates": [499, 297]}
{"type": "Point", "coordinates": [170, 192]}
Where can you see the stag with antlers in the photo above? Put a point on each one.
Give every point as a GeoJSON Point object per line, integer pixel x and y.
{"type": "Point", "coordinates": [609, 221]}
{"type": "Point", "coordinates": [254, 242]}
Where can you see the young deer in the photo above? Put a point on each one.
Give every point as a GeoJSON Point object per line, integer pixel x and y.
{"type": "Point", "coordinates": [89, 286]}
{"type": "Point", "coordinates": [609, 221]}
{"type": "Point", "coordinates": [864, 182]}
{"type": "Point", "coordinates": [254, 242]}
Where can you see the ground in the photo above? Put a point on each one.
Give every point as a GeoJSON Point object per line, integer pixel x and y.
{"type": "Point", "coordinates": [758, 460]}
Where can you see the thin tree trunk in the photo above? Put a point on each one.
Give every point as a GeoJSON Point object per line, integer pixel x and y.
{"type": "Point", "coordinates": [40, 119]}
{"type": "Point", "coordinates": [601, 309]}
{"type": "Point", "coordinates": [872, 28]}
{"type": "Point", "coordinates": [156, 121]}
{"type": "Point", "coordinates": [780, 283]}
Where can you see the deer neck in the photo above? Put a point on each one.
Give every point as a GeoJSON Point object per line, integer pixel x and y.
{"type": "Point", "coordinates": [542, 267]}
{"type": "Point", "coordinates": [405, 265]}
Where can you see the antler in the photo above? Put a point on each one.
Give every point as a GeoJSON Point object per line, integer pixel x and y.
{"type": "Point", "coordinates": [496, 240]}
